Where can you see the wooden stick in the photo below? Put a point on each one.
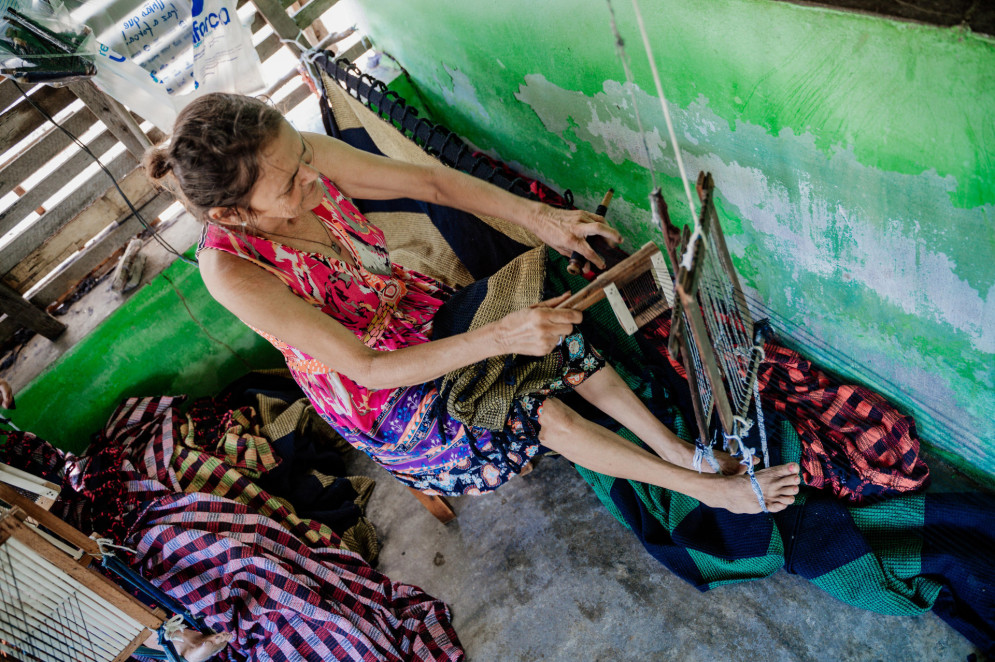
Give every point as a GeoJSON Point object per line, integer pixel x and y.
{"type": "Point", "coordinates": [620, 274]}
{"type": "Point", "coordinates": [49, 521]}
{"type": "Point", "coordinates": [577, 260]}
{"type": "Point", "coordinates": [437, 505]}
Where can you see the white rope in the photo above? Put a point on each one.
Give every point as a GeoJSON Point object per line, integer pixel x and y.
{"type": "Point", "coordinates": [624, 59]}
{"type": "Point", "coordinates": [172, 629]}
{"type": "Point", "coordinates": [308, 55]}
{"type": "Point", "coordinates": [104, 543]}
{"type": "Point", "coordinates": [666, 116]}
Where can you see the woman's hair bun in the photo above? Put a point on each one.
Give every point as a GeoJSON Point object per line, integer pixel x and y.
{"type": "Point", "coordinates": [157, 163]}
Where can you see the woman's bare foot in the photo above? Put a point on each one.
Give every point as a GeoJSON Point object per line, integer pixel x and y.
{"type": "Point", "coordinates": [6, 395]}
{"type": "Point", "coordinates": [196, 647]}
{"type": "Point", "coordinates": [734, 493]}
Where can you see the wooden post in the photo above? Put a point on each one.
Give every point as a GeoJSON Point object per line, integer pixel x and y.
{"type": "Point", "coordinates": [436, 505]}
{"type": "Point", "coordinates": [23, 312]}
{"type": "Point", "coordinates": [115, 116]}
{"type": "Point", "coordinates": [282, 24]}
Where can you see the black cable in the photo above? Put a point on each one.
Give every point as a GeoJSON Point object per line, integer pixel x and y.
{"type": "Point", "coordinates": [155, 235]}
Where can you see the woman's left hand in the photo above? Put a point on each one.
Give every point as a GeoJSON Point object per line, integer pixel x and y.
{"type": "Point", "coordinates": [566, 230]}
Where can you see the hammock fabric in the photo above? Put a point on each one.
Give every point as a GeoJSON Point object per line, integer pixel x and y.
{"type": "Point", "coordinates": [286, 587]}
{"type": "Point", "coordinates": [901, 555]}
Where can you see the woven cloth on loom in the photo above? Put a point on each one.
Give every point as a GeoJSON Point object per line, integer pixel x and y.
{"type": "Point", "coordinates": [286, 587]}
{"type": "Point", "coordinates": [899, 556]}
{"type": "Point", "coordinates": [481, 394]}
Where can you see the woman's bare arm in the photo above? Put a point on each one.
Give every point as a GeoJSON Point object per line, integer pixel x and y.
{"type": "Point", "coordinates": [261, 300]}
{"type": "Point", "coordinates": [364, 175]}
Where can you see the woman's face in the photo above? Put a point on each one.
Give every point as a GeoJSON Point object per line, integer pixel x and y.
{"type": "Point", "coordinates": [287, 185]}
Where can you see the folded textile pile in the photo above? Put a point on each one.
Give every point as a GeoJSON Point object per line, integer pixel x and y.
{"type": "Point", "coordinates": [241, 558]}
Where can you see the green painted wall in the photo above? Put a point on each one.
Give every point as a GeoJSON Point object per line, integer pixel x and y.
{"type": "Point", "coordinates": [163, 341]}
{"type": "Point", "coordinates": [853, 155]}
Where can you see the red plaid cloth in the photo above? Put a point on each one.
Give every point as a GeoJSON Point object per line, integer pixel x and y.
{"type": "Point", "coordinates": [241, 571]}
{"type": "Point", "coordinates": [854, 442]}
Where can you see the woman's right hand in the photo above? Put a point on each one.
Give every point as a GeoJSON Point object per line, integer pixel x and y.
{"type": "Point", "coordinates": [537, 330]}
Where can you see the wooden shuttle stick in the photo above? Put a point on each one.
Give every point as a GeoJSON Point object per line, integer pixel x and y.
{"type": "Point", "coordinates": [577, 260]}
{"type": "Point", "coordinates": [620, 274]}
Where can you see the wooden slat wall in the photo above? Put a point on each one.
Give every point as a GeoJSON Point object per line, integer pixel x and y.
{"type": "Point", "coordinates": [92, 223]}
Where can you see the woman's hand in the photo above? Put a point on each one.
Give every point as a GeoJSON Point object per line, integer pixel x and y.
{"type": "Point", "coordinates": [566, 230]}
{"type": "Point", "coordinates": [536, 330]}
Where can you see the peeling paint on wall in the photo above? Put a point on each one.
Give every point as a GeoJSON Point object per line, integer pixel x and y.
{"type": "Point", "coordinates": [852, 154]}
{"type": "Point", "coordinates": [806, 223]}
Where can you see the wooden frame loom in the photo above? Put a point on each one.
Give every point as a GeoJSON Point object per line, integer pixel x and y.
{"type": "Point", "coordinates": [53, 607]}
{"type": "Point", "coordinates": [711, 330]}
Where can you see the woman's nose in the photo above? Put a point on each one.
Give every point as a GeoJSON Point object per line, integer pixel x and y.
{"type": "Point", "coordinates": [308, 174]}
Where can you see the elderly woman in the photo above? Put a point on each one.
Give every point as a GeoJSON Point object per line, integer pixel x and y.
{"type": "Point", "coordinates": [287, 252]}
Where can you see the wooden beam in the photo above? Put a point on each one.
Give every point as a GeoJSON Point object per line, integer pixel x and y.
{"type": "Point", "coordinates": [9, 92]}
{"type": "Point", "coordinates": [437, 505]}
{"type": "Point", "coordinates": [22, 119]}
{"type": "Point", "coordinates": [64, 230]}
{"type": "Point", "coordinates": [292, 100]}
{"type": "Point", "coordinates": [95, 254]}
{"type": "Point", "coordinates": [355, 50]}
{"type": "Point", "coordinates": [78, 201]}
{"type": "Point", "coordinates": [283, 25]}
{"type": "Point", "coordinates": [142, 637]}
{"type": "Point", "coordinates": [311, 11]}
{"type": "Point", "coordinates": [57, 526]}
{"type": "Point", "coordinates": [258, 23]}
{"type": "Point", "coordinates": [268, 46]}
{"type": "Point", "coordinates": [25, 314]}
{"type": "Point", "coordinates": [115, 117]}
{"type": "Point", "coordinates": [103, 587]}
{"type": "Point", "coordinates": [51, 185]}
{"type": "Point", "coordinates": [17, 169]}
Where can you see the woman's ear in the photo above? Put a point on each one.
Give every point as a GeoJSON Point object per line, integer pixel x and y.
{"type": "Point", "coordinates": [225, 216]}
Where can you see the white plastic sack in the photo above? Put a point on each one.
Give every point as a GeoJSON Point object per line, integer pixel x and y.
{"type": "Point", "coordinates": [156, 56]}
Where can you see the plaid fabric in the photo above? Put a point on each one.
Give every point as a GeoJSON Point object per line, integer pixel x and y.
{"type": "Point", "coordinates": [855, 443]}
{"type": "Point", "coordinates": [225, 453]}
{"type": "Point", "coordinates": [284, 600]}
{"type": "Point", "coordinates": [284, 586]}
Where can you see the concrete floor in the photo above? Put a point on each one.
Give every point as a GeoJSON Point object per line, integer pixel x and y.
{"type": "Point", "coordinates": [539, 570]}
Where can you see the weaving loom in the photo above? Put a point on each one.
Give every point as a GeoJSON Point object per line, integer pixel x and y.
{"type": "Point", "coordinates": [54, 607]}
{"type": "Point", "coordinates": [711, 329]}
{"type": "Point", "coordinates": [40, 491]}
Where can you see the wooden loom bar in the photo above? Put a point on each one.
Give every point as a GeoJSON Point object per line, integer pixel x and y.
{"type": "Point", "coordinates": [706, 188]}
{"type": "Point", "coordinates": [98, 584]}
{"type": "Point", "coordinates": [114, 116]}
{"type": "Point", "coordinates": [673, 240]}
{"type": "Point", "coordinates": [49, 521]}
{"type": "Point", "coordinates": [620, 274]}
{"type": "Point", "coordinates": [125, 654]}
